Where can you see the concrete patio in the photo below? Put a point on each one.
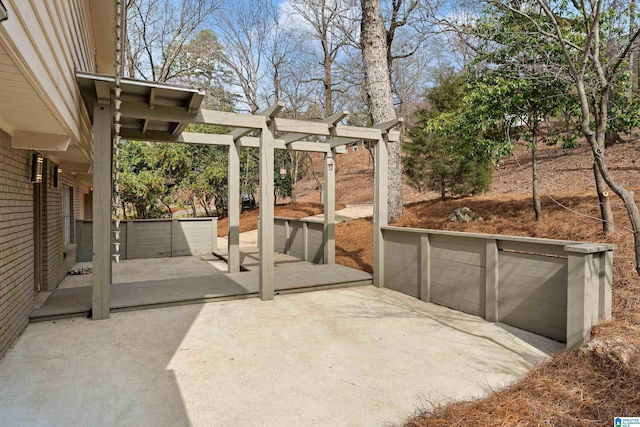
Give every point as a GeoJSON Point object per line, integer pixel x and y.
{"type": "Point", "coordinates": [361, 356]}
{"type": "Point", "coordinates": [158, 282]}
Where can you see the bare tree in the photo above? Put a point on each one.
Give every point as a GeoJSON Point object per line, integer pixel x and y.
{"type": "Point", "coordinates": [158, 31]}
{"type": "Point", "coordinates": [245, 32]}
{"type": "Point", "coordinates": [378, 88]}
{"type": "Point", "coordinates": [409, 23]}
{"type": "Point", "coordinates": [331, 23]}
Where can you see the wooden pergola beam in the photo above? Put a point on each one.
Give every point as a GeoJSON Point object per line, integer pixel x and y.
{"type": "Point", "coordinates": [387, 126]}
{"type": "Point", "coordinates": [331, 120]}
{"type": "Point", "coordinates": [103, 93]}
{"type": "Point", "coordinates": [227, 139]}
{"type": "Point", "coordinates": [301, 126]}
{"type": "Point", "coordinates": [279, 144]}
{"type": "Point", "coordinates": [179, 114]}
{"type": "Point", "coordinates": [152, 97]}
{"type": "Point", "coordinates": [273, 110]}
{"type": "Point", "coordinates": [367, 134]}
{"type": "Point", "coordinates": [194, 102]}
{"type": "Point", "coordinates": [341, 142]}
{"type": "Point", "coordinates": [269, 113]}
{"type": "Point", "coordinates": [347, 134]}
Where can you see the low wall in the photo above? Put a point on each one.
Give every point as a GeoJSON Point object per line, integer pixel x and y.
{"type": "Point", "coordinates": [554, 288]}
{"type": "Point", "coordinates": [302, 239]}
{"type": "Point", "coordinates": [154, 238]}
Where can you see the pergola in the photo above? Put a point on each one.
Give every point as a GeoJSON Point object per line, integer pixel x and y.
{"type": "Point", "coordinates": [159, 112]}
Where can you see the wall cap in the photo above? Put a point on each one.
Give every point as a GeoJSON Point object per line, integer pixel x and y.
{"type": "Point", "coordinates": [593, 247]}
{"type": "Point", "coordinates": [590, 248]}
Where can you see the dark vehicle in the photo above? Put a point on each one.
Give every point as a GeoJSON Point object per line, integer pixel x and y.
{"type": "Point", "coordinates": [248, 202]}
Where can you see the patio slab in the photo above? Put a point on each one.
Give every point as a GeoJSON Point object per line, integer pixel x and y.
{"type": "Point", "coordinates": [349, 212]}
{"type": "Point", "coordinates": [156, 282]}
{"type": "Point", "coordinates": [350, 357]}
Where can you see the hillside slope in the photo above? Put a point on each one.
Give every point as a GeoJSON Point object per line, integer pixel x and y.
{"type": "Point", "coordinates": [561, 170]}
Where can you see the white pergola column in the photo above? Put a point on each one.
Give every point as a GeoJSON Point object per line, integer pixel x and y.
{"type": "Point", "coordinates": [233, 209]}
{"type": "Point", "coordinates": [102, 192]}
{"type": "Point", "coordinates": [380, 209]}
{"type": "Point", "coordinates": [329, 207]}
{"type": "Point", "coordinates": [265, 229]}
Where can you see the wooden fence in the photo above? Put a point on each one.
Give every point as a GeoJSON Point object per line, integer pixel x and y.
{"type": "Point", "coordinates": [300, 238]}
{"type": "Point", "coordinates": [154, 238]}
{"type": "Point", "coordinates": [554, 288]}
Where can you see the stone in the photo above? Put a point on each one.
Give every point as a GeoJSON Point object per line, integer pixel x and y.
{"type": "Point", "coordinates": [616, 351]}
{"type": "Point", "coordinates": [464, 214]}
{"type": "Point", "coordinates": [80, 271]}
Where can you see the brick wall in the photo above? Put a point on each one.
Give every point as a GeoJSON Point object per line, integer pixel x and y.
{"type": "Point", "coordinates": [56, 258]}
{"type": "Point", "coordinates": [17, 281]}
{"type": "Point", "coordinates": [16, 242]}
{"type": "Point", "coordinates": [70, 255]}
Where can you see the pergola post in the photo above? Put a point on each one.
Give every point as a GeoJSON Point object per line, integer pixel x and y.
{"type": "Point", "coordinates": [165, 121]}
{"type": "Point", "coordinates": [233, 210]}
{"type": "Point", "coordinates": [380, 209]}
{"type": "Point", "coordinates": [329, 208]}
{"type": "Point", "coordinates": [265, 232]}
{"type": "Point", "coordinates": [102, 192]}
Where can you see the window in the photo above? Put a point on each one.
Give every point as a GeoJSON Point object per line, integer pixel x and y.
{"type": "Point", "coordinates": [66, 214]}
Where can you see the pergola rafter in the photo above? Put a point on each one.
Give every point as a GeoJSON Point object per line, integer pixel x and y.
{"type": "Point", "coordinates": [332, 120]}
{"type": "Point", "coordinates": [161, 113]}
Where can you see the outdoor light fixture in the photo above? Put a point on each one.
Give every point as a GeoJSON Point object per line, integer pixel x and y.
{"type": "Point", "coordinates": [4, 15]}
{"type": "Point", "coordinates": [57, 175]}
{"type": "Point", "coordinates": [283, 173]}
{"type": "Point", "coordinates": [37, 163]}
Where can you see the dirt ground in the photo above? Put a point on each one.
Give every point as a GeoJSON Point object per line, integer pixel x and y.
{"type": "Point", "coordinates": [354, 180]}
{"type": "Point", "coordinates": [249, 219]}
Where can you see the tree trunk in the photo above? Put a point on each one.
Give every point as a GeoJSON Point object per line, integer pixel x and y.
{"type": "Point", "coordinates": [166, 205]}
{"type": "Point", "coordinates": [328, 81]}
{"type": "Point", "coordinates": [606, 212]}
{"type": "Point", "coordinates": [596, 142]}
{"type": "Point", "coordinates": [378, 88]}
{"type": "Point", "coordinates": [534, 169]}
{"type": "Point", "coordinates": [627, 197]}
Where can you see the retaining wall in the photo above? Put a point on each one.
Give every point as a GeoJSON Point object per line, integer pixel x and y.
{"type": "Point", "coordinates": [300, 238]}
{"type": "Point", "coordinates": [554, 288]}
{"type": "Point", "coordinates": [154, 238]}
